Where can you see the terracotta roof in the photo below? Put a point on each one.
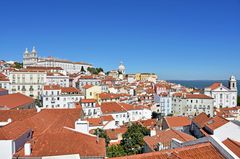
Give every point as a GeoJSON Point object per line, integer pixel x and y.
{"type": "Point", "coordinates": [197, 96]}
{"type": "Point", "coordinates": [87, 86]}
{"type": "Point", "coordinates": [19, 100]}
{"type": "Point", "coordinates": [99, 121]}
{"type": "Point", "coordinates": [50, 137]}
{"type": "Point", "coordinates": [191, 96]}
{"type": "Point", "coordinates": [215, 85]}
{"type": "Point", "coordinates": [165, 137]}
{"type": "Point", "coordinates": [107, 118]}
{"type": "Point", "coordinates": [70, 90]}
{"type": "Point", "coordinates": [111, 107]}
{"type": "Point", "coordinates": [87, 77]}
{"type": "Point", "coordinates": [113, 133]}
{"type": "Point", "coordinates": [66, 142]}
{"type": "Point", "coordinates": [216, 122]}
{"type": "Point", "coordinates": [149, 123]}
{"type": "Point", "coordinates": [115, 107]}
{"type": "Point", "coordinates": [177, 121]}
{"type": "Point", "coordinates": [3, 77]}
{"type": "Point", "coordinates": [234, 146]}
{"type": "Point", "coordinates": [95, 121]}
{"type": "Point", "coordinates": [51, 120]}
{"type": "Point", "coordinates": [108, 96]}
{"type": "Point", "coordinates": [201, 119]}
{"type": "Point", "coordinates": [16, 115]}
{"type": "Point", "coordinates": [203, 150]}
{"type": "Point", "coordinates": [88, 101]}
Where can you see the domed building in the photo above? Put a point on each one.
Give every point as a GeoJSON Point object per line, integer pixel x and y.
{"type": "Point", "coordinates": [121, 68]}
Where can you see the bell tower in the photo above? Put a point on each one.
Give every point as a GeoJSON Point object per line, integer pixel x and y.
{"type": "Point", "coordinates": [233, 83]}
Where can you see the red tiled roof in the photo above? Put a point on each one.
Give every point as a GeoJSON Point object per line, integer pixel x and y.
{"type": "Point", "coordinates": [70, 90]}
{"type": "Point", "coordinates": [88, 100]}
{"type": "Point", "coordinates": [114, 107]}
{"type": "Point", "coordinates": [67, 142]}
{"type": "Point", "coordinates": [215, 85]}
{"type": "Point", "coordinates": [201, 119]}
{"type": "Point", "coordinates": [197, 96]}
{"type": "Point", "coordinates": [12, 101]}
{"type": "Point", "coordinates": [111, 107]}
{"type": "Point", "coordinates": [203, 150]}
{"type": "Point", "coordinates": [107, 118]}
{"type": "Point", "coordinates": [191, 96]}
{"type": "Point", "coordinates": [16, 115]}
{"type": "Point", "coordinates": [216, 122]}
{"type": "Point", "coordinates": [95, 121]}
{"type": "Point", "coordinates": [3, 77]}
{"type": "Point", "coordinates": [149, 123]}
{"type": "Point", "coordinates": [234, 146]}
{"type": "Point", "coordinates": [177, 121]}
{"type": "Point", "coordinates": [87, 86]}
{"type": "Point", "coordinates": [165, 137]}
{"type": "Point", "coordinates": [87, 77]}
{"type": "Point", "coordinates": [113, 133]}
{"type": "Point", "coordinates": [51, 120]}
{"type": "Point", "coordinates": [108, 96]}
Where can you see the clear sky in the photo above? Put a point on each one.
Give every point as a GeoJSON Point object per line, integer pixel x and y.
{"type": "Point", "coordinates": [177, 39]}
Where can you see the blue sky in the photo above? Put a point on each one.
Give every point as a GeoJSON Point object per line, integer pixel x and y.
{"type": "Point", "coordinates": [177, 39]}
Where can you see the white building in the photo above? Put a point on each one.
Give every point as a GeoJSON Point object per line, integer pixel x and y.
{"type": "Point", "coordinates": [123, 113]}
{"type": "Point", "coordinates": [87, 80]}
{"type": "Point", "coordinates": [223, 96]}
{"type": "Point", "coordinates": [27, 82]}
{"type": "Point", "coordinates": [55, 96]}
{"type": "Point", "coordinates": [57, 79]}
{"type": "Point", "coordinates": [223, 129]}
{"type": "Point", "coordinates": [32, 59]}
{"type": "Point", "coordinates": [91, 108]}
{"type": "Point", "coordinates": [163, 103]}
{"type": "Point", "coordinates": [191, 104]}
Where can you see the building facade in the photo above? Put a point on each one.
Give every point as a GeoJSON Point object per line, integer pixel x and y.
{"type": "Point", "coordinates": [32, 59]}
{"type": "Point", "coordinates": [27, 82]}
{"type": "Point", "coordinates": [55, 96]}
{"type": "Point", "coordinates": [187, 104]}
{"type": "Point", "coordinates": [223, 96]}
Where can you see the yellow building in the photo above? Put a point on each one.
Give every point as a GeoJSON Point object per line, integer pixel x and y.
{"type": "Point", "coordinates": [146, 76]}
{"type": "Point", "coordinates": [92, 91]}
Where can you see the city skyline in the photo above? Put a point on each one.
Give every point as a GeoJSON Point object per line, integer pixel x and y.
{"type": "Point", "coordinates": [176, 40]}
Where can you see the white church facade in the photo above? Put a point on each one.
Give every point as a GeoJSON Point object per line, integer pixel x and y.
{"type": "Point", "coordinates": [223, 96]}
{"type": "Point", "coordinates": [32, 59]}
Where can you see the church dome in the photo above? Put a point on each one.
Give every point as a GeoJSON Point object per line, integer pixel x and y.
{"type": "Point", "coordinates": [121, 67]}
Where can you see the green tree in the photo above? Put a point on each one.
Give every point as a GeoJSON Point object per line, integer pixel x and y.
{"type": "Point", "coordinates": [115, 151]}
{"type": "Point", "coordinates": [132, 141]}
{"type": "Point", "coordinates": [95, 71]}
{"type": "Point", "coordinates": [238, 100]}
{"type": "Point", "coordinates": [18, 65]}
{"type": "Point", "coordinates": [102, 134]}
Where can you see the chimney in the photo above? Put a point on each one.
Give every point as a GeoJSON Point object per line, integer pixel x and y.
{"type": "Point", "coordinates": [153, 132]}
{"type": "Point", "coordinates": [27, 149]}
{"type": "Point", "coordinates": [82, 126]}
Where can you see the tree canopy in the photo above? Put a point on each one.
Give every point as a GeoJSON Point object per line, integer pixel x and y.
{"type": "Point", "coordinates": [132, 141]}
{"type": "Point", "coordinates": [95, 71]}
{"type": "Point", "coordinates": [102, 134]}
